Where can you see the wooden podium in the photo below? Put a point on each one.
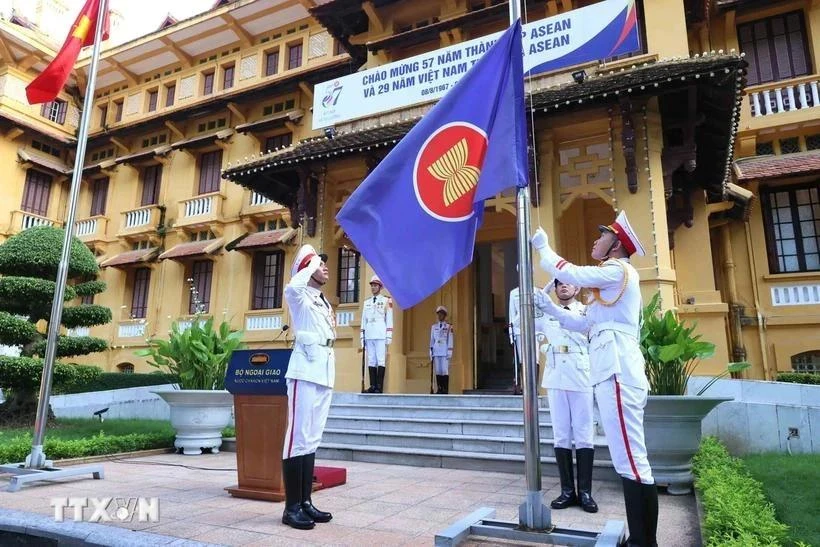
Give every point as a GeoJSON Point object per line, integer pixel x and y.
{"type": "Point", "coordinates": [257, 380]}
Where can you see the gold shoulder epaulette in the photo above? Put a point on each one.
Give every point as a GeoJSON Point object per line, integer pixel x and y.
{"type": "Point", "coordinates": [596, 293]}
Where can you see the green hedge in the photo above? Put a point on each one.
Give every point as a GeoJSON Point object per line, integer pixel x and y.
{"type": "Point", "coordinates": [23, 373]}
{"type": "Point", "coordinates": [736, 511]}
{"type": "Point", "coordinates": [28, 290]}
{"type": "Point", "coordinates": [799, 378]}
{"type": "Point", "coordinates": [89, 288]}
{"type": "Point", "coordinates": [71, 346]}
{"type": "Point", "coordinates": [15, 331]}
{"type": "Point", "coordinates": [117, 380]}
{"type": "Point", "coordinates": [16, 449]}
{"type": "Point", "coordinates": [36, 252]}
{"type": "Point", "coordinates": [85, 315]}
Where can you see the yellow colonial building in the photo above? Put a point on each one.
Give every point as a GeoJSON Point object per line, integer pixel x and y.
{"type": "Point", "coordinates": [203, 171]}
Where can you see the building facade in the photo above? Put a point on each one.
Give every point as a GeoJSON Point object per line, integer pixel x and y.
{"type": "Point", "coordinates": [203, 173]}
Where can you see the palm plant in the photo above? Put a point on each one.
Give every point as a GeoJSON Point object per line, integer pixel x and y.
{"type": "Point", "coordinates": [672, 351]}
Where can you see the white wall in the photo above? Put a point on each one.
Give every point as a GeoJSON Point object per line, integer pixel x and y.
{"type": "Point", "coordinates": [759, 418]}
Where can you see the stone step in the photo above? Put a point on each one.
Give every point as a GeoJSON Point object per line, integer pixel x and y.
{"type": "Point", "coordinates": [478, 401]}
{"type": "Point", "coordinates": [432, 441]}
{"type": "Point", "coordinates": [452, 459]}
{"type": "Point", "coordinates": [432, 425]}
{"type": "Point", "coordinates": [434, 412]}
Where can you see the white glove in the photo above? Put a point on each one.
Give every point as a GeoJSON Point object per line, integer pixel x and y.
{"type": "Point", "coordinates": [388, 340]}
{"type": "Point", "coordinates": [549, 288]}
{"type": "Point", "coordinates": [540, 239]}
{"type": "Point", "coordinates": [539, 300]}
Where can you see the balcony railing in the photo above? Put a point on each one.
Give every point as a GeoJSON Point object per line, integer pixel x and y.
{"type": "Point", "coordinates": [344, 318]}
{"type": "Point", "coordinates": [255, 321]}
{"type": "Point", "coordinates": [23, 220]}
{"type": "Point", "coordinates": [258, 199]}
{"type": "Point", "coordinates": [796, 295]}
{"type": "Point", "coordinates": [140, 220]}
{"type": "Point", "coordinates": [79, 331]}
{"type": "Point", "coordinates": [784, 96]}
{"type": "Point", "coordinates": [90, 229]}
{"type": "Point", "coordinates": [131, 329]}
{"type": "Point", "coordinates": [200, 209]}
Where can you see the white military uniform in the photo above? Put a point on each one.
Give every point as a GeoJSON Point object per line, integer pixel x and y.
{"type": "Point", "coordinates": [566, 378]}
{"type": "Point", "coordinates": [441, 346]}
{"type": "Point", "coordinates": [377, 328]}
{"type": "Point", "coordinates": [514, 327]}
{"type": "Point", "coordinates": [616, 363]}
{"type": "Point", "coordinates": [311, 369]}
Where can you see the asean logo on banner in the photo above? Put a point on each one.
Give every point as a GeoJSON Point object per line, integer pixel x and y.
{"type": "Point", "coordinates": [447, 169]}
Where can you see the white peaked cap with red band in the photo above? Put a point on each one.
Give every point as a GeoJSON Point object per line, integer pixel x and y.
{"type": "Point", "coordinates": [303, 257]}
{"type": "Point", "coordinates": [626, 235]}
{"type": "Point", "coordinates": [441, 308]}
{"type": "Point", "coordinates": [375, 279]}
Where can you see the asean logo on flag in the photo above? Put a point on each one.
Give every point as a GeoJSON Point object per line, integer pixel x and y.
{"type": "Point", "coordinates": [447, 169]}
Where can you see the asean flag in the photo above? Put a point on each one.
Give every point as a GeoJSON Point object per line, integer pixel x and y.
{"type": "Point", "coordinates": [50, 82]}
{"type": "Point", "coordinates": [415, 217]}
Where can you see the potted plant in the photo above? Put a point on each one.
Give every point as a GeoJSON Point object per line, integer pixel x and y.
{"type": "Point", "coordinates": [672, 420]}
{"type": "Point", "coordinates": [199, 355]}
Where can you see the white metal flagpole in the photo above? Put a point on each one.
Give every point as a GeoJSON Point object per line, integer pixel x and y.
{"type": "Point", "coordinates": [36, 460]}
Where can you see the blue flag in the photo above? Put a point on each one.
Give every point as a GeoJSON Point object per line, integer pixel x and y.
{"type": "Point", "coordinates": [415, 217]}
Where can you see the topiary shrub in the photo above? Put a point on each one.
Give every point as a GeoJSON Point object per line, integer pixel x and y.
{"type": "Point", "coordinates": [799, 378]}
{"type": "Point", "coordinates": [28, 264]}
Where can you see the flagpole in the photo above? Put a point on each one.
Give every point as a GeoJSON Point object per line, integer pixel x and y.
{"type": "Point", "coordinates": [37, 458]}
{"type": "Point", "coordinates": [532, 514]}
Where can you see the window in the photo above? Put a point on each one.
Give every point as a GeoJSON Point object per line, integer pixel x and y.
{"type": "Point", "coordinates": [271, 62]}
{"type": "Point", "coordinates": [792, 219]}
{"type": "Point", "coordinates": [268, 271]}
{"type": "Point", "coordinates": [54, 111]}
{"type": "Point", "coordinates": [139, 299]}
{"type": "Point", "coordinates": [103, 114]}
{"type": "Point", "coordinates": [170, 90]}
{"type": "Point", "coordinates": [118, 111]}
{"type": "Point", "coordinates": [208, 83]}
{"type": "Point", "coordinates": [227, 77]}
{"type": "Point", "coordinates": [152, 100]}
{"type": "Point", "coordinates": [151, 177]}
{"type": "Point", "coordinates": [338, 48]}
{"type": "Point", "coordinates": [277, 141]}
{"type": "Point", "coordinates": [776, 47]}
{"type": "Point", "coordinates": [808, 361]}
{"type": "Point", "coordinates": [209, 176]}
{"type": "Point", "coordinates": [36, 193]}
{"type": "Point", "coordinates": [99, 195]}
{"type": "Point", "coordinates": [126, 368]}
{"type": "Point", "coordinates": [348, 290]}
{"type": "Point", "coordinates": [295, 56]}
{"type": "Point", "coordinates": [87, 299]}
{"type": "Point", "coordinates": [201, 273]}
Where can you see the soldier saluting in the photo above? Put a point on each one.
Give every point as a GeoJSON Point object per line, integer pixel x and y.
{"type": "Point", "coordinates": [376, 333]}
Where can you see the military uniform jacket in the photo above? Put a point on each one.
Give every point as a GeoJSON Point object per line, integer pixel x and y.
{"type": "Point", "coordinates": [612, 317]}
{"type": "Point", "coordinates": [377, 318]}
{"type": "Point", "coordinates": [441, 339]}
{"type": "Point", "coordinates": [312, 318]}
{"type": "Point", "coordinates": [567, 356]}
{"type": "Point", "coordinates": [515, 321]}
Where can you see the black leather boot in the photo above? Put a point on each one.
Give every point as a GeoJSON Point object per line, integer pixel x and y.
{"type": "Point", "coordinates": [446, 379]}
{"type": "Point", "coordinates": [650, 507]}
{"type": "Point", "coordinates": [568, 498]}
{"type": "Point", "coordinates": [294, 516]}
{"type": "Point", "coordinates": [380, 380]}
{"type": "Point", "coordinates": [635, 513]}
{"type": "Point", "coordinates": [584, 457]}
{"type": "Point", "coordinates": [307, 489]}
{"type": "Point", "coordinates": [439, 384]}
{"type": "Point", "coordinates": [371, 371]}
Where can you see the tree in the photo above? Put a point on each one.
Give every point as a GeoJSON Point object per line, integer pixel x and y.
{"type": "Point", "coordinates": [28, 266]}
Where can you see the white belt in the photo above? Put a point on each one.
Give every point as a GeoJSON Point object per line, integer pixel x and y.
{"type": "Point", "coordinates": [598, 328]}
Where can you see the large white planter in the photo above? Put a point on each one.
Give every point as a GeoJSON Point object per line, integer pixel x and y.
{"type": "Point", "coordinates": [672, 431]}
{"type": "Point", "coordinates": [198, 416]}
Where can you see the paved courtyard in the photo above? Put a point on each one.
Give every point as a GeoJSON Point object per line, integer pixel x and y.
{"type": "Point", "coordinates": [380, 504]}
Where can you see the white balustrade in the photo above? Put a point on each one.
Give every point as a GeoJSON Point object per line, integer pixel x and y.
{"type": "Point", "coordinates": [86, 227]}
{"type": "Point", "coordinates": [263, 322]}
{"type": "Point", "coordinates": [30, 221]}
{"type": "Point", "coordinates": [796, 295]}
{"type": "Point", "coordinates": [79, 331]}
{"type": "Point", "coordinates": [199, 206]}
{"type": "Point", "coordinates": [785, 98]}
{"type": "Point", "coordinates": [185, 324]}
{"type": "Point", "coordinates": [137, 218]}
{"type": "Point", "coordinates": [131, 329]}
{"type": "Point", "coordinates": [343, 318]}
{"type": "Point", "coordinates": [259, 199]}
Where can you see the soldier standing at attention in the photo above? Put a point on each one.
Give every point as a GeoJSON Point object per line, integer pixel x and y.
{"type": "Point", "coordinates": [441, 349]}
{"type": "Point", "coordinates": [310, 376]}
{"type": "Point", "coordinates": [377, 333]}
{"type": "Point", "coordinates": [612, 324]}
{"type": "Point", "coordinates": [566, 378]}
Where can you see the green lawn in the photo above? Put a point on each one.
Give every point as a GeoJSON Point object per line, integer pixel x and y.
{"type": "Point", "coordinates": [80, 428]}
{"type": "Point", "coordinates": [792, 483]}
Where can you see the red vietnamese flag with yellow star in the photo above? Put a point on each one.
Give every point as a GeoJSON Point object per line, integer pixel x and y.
{"type": "Point", "coordinates": [47, 85]}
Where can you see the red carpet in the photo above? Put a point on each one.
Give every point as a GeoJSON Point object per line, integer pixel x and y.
{"type": "Point", "coordinates": [328, 477]}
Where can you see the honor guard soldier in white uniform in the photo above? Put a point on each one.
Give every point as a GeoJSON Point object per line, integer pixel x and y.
{"type": "Point", "coordinates": [377, 333]}
{"type": "Point", "coordinates": [441, 349]}
{"type": "Point", "coordinates": [616, 363]}
{"type": "Point", "coordinates": [310, 376]}
{"type": "Point", "coordinates": [566, 378]}
{"type": "Point", "coordinates": [514, 329]}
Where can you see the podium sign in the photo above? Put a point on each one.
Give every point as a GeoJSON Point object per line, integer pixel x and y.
{"type": "Point", "coordinates": [257, 380]}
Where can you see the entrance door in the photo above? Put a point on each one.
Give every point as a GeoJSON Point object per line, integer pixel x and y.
{"type": "Point", "coordinates": [495, 276]}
